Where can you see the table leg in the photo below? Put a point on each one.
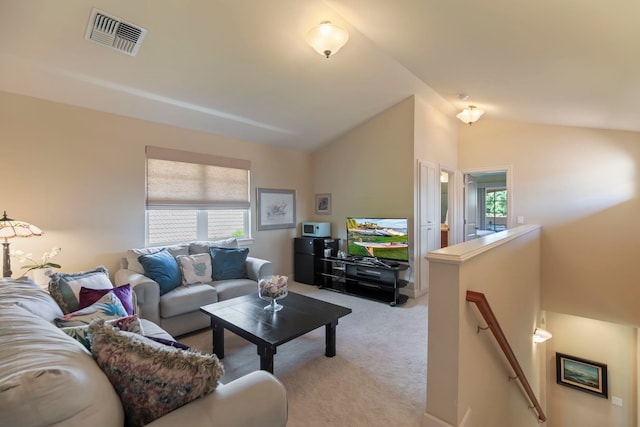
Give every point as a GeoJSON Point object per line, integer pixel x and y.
{"type": "Point", "coordinates": [266, 358]}
{"type": "Point", "coordinates": [330, 339]}
{"type": "Point", "coordinates": [218, 339]}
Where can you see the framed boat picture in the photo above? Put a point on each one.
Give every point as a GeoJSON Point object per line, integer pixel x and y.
{"type": "Point", "coordinates": [582, 374]}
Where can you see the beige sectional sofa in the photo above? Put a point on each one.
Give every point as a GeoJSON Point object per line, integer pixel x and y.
{"type": "Point", "coordinates": [47, 378]}
{"type": "Point", "coordinates": [178, 310]}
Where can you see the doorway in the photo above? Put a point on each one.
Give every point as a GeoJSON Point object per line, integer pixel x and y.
{"type": "Point", "coordinates": [487, 203]}
{"type": "Point", "coordinates": [447, 207]}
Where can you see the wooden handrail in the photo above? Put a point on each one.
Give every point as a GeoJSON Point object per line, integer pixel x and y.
{"type": "Point", "coordinates": [485, 309]}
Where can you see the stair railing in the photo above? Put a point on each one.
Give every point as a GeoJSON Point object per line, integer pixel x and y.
{"type": "Point", "coordinates": [479, 299]}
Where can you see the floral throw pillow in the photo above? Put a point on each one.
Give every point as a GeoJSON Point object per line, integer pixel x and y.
{"type": "Point", "coordinates": [82, 335]}
{"type": "Point", "coordinates": [108, 307]}
{"type": "Point", "coordinates": [195, 268]}
{"type": "Point", "coordinates": [151, 379]}
{"type": "Point", "coordinates": [89, 296]}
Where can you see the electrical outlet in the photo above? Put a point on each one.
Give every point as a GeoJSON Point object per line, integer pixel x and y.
{"type": "Point", "coordinates": [615, 400]}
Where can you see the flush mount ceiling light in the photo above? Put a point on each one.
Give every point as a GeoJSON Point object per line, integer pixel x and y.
{"type": "Point", "coordinates": [470, 115]}
{"type": "Point", "coordinates": [327, 38]}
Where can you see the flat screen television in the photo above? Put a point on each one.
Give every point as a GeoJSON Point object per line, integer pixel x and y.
{"type": "Point", "coordinates": [383, 238]}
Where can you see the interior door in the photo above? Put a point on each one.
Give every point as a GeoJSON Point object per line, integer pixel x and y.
{"type": "Point", "coordinates": [429, 223]}
{"type": "Point", "coordinates": [470, 208]}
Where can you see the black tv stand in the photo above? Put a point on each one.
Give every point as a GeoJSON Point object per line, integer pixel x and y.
{"type": "Point", "coordinates": [367, 277]}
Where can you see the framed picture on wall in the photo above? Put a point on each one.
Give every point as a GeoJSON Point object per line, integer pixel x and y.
{"type": "Point", "coordinates": [584, 375]}
{"type": "Point", "coordinates": [323, 204]}
{"type": "Point", "coordinates": [276, 209]}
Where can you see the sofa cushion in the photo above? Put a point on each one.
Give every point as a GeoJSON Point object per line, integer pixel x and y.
{"type": "Point", "coordinates": [163, 268]}
{"type": "Point", "coordinates": [48, 378]}
{"type": "Point", "coordinates": [202, 247]}
{"type": "Point", "coordinates": [229, 263]}
{"type": "Point", "coordinates": [152, 379]}
{"type": "Point", "coordinates": [65, 287]}
{"type": "Point", "coordinates": [227, 289]}
{"type": "Point", "coordinates": [195, 268]}
{"type": "Point", "coordinates": [89, 296]}
{"type": "Point", "coordinates": [153, 330]}
{"type": "Point", "coordinates": [108, 307]}
{"type": "Point", "coordinates": [186, 299]}
{"type": "Point", "coordinates": [82, 335]}
{"type": "Point", "coordinates": [27, 294]}
{"type": "Point", "coordinates": [133, 255]}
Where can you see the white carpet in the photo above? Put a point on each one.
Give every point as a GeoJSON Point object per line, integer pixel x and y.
{"type": "Point", "coordinates": [377, 378]}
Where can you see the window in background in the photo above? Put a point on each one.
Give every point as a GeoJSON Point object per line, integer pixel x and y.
{"type": "Point", "coordinates": [496, 209]}
{"type": "Point", "coordinates": [192, 196]}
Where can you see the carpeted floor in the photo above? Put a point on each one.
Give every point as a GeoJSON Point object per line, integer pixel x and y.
{"type": "Point", "coordinates": [377, 378]}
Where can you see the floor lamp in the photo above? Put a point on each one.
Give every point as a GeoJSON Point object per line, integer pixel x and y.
{"type": "Point", "coordinates": [10, 228]}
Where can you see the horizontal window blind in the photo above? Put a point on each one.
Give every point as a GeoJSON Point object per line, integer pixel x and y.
{"type": "Point", "coordinates": [183, 180]}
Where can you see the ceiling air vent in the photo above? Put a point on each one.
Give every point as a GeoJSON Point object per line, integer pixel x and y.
{"type": "Point", "coordinates": [114, 33]}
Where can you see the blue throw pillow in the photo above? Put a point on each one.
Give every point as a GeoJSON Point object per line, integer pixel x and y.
{"type": "Point", "coordinates": [228, 263]}
{"type": "Point", "coordinates": [163, 268]}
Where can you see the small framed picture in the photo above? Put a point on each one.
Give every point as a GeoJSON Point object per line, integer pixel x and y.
{"type": "Point", "coordinates": [323, 204]}
{"type": "Point", "coordinates": [584, 375]}
{"type": "Point", "coordinates": [276, 209]}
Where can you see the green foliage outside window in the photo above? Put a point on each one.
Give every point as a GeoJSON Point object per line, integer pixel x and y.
{"type": "Point", "coordinates": [496, 202]}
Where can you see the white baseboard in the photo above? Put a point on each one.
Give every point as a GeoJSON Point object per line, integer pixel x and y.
{"type": "Point", "coordinates": [431, 421]}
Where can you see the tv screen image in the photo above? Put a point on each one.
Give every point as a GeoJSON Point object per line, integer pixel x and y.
{"type": "Point", "coordinates": [384, 238]}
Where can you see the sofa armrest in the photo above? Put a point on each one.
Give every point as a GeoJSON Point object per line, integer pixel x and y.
{"type": "Point", "coordinates": [257, 399]}
{"type": "Point", "coordinates": [257, 268]}
{"type": "Point", "coordinates": [147, 293]}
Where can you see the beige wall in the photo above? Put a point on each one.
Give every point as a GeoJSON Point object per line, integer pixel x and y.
{"type": "Point", "coordinates": [435, 146]}
{"type": "Point", "coordinates": [603, 342]}
{"type": "Point", "coordinates": [436, 136]}
{"type": "Point", "coordinates": [467, 370]}
{"type": "Point", "coordinates": [80, 176]}
{"type": "Point", "coordinates": [581, 186]}
{"type": "Point", "coordinates": [369, 170]}
{"type": "Point", "coordinates": [372, 170]}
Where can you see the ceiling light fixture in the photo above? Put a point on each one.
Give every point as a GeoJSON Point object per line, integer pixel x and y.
{"type": "Point", "coordinates": [327, 38]}
{"type": "Point", "coordinates": [470, 115]}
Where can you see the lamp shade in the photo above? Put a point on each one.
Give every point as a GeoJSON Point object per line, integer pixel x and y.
{"type": "Point", "coordinates": [470, 115]}
{"type": "Point", "coordinates": [10, 228]}
{"type": "Point", "coordinates": [327, 38]}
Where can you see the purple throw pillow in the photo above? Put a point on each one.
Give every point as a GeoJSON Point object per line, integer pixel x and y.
{"type": "Point", "coordinates": [123, 292]}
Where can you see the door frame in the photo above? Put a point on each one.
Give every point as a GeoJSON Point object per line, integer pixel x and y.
{"type": "Point", "coordinates": [508, 170]}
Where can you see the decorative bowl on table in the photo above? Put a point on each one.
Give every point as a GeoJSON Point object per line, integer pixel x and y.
{"type": "Point", "coordinates": [272, 288]}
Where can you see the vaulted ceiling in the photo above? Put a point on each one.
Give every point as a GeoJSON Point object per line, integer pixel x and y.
{"type": "Point", "coordinates": [241, 68]}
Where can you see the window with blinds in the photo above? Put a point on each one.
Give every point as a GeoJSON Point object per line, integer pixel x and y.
{"type": "Point", "coordinates": [192, 196]}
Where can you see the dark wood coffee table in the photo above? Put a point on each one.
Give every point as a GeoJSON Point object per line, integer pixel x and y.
{"type": "Point", "coordinates": [245, 316]}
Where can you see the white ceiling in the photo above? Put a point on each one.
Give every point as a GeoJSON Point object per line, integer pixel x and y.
{"type": "Point", "coordinates": [241, 68]}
